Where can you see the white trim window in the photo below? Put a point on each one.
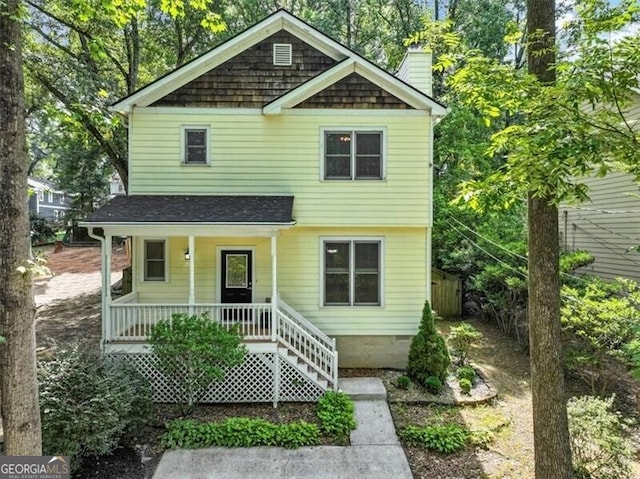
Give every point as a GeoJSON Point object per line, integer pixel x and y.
{"type": "Point", "coordinates": [40, 195]}
{"type": "Point", "coordinates": [155, 260]}
{"type": "Point", "coordinates": [50, 196]}
{"type": "Point", "coordinates": [62, 198]}
{"type": "Point", "coordinates": [194, 145]}
{"type": "Point", "coordinates": [353, 154]}
{"type": "Point", "coordinates": [352, 272]}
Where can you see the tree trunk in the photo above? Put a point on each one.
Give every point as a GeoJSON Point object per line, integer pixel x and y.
{"type": "Point", "coordinates": [550, 427]}
{"type": "Point", "coordinates": [18, 381]}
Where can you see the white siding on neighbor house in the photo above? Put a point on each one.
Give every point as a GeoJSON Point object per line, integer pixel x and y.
{"type": "Point", "coordinates": [299, 277]}
{"type": "Point", "coordinates": [610, 237]}
{"type": "Point", "coordinates": [281, 154]}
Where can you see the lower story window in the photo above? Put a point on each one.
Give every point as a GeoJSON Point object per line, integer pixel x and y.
{"type": "Point", "coordinates": [352, 272]}
{"type": "Point", "coordinates": [154, 260]}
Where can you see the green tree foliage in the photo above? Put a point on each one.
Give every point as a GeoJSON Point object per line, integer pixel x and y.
{"type": "Point", "coordinates": [90, 405]}
{"type": "Point", "coordinates": [193, 352]}
{"type": "Point", "coordinates": [599, 448]}
{"type": "Point", "coordinates": [604, 319]}
{"type": "Point", "coordinates": [460, 339]}
{"type": "Point", "coordinates": [428, 355]}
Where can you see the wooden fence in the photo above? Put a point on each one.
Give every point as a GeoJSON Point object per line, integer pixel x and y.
{"type": "Point", "coordinates": [446, 294]}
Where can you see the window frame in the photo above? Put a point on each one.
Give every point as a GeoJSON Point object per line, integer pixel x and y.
{"type": "Point", "coordinates": [353, 131]}
{"type": "Point", "coordinates": [50, 197]}
{"type": "Point", "coordinates": [62, 198]}
{"type": "Point", "coordinates": [40, 195]}
{"type": "Point", "coordinates": [352, 240]}
{"type": "Point", "coordinates": [145, 278]}
{"type": "Point", "coordinates": [184, 129]}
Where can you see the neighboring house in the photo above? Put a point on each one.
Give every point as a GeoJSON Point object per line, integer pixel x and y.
{"type": "Point", "coordinates": [608, 226]}
{"type": "Point", "coordinates": [281, 182]}
{"type": "Point", "coordinates": [47, 201]}
{"type": "Point", "coordinates": [116, 186]}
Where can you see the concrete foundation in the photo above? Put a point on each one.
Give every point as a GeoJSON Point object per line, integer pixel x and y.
{"type": "Point", "coordinates": [373, 351]}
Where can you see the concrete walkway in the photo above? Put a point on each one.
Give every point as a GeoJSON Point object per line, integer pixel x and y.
{"type": "Point", "coordinates": [375, 452]}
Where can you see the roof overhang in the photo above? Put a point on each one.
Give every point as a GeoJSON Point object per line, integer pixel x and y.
{"type": "Point", "coordinates": [189, 229]}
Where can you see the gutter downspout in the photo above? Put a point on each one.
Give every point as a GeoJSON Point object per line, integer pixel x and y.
{"type": "Point", "coordinates": [103, 290]}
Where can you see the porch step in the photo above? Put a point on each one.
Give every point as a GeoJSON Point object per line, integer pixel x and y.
{"type": "Point", "coordinates": [303, 367]}
{"type": "Point", "coordinates": [363, 389]}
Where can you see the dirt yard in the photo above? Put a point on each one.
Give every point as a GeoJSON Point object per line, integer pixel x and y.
{"type": "Point", "coordinates": [68, 301]}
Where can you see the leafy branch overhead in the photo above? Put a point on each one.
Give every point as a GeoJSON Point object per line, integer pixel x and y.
{"type": "Point", "coordinates": [553, 135]}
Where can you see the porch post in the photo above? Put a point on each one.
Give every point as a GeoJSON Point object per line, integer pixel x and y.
{"type": "Point", "coordinates": [106, 269]}
{"type": "Point", "coordinates": [274, 287]}
{"type": "Point", "coordinates": [192, 273]}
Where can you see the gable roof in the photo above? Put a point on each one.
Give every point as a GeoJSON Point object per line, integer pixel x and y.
{"type": "Point", "coordinates": [280, 20]}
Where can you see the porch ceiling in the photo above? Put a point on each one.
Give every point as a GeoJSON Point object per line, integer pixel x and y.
{"type": "Point", "coordinates": [194, 214]}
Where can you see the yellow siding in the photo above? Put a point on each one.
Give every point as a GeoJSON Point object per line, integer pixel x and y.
{"type": "Point", "coordinates": [207, 276]}
{"type": "Point", "coordinates": [258, 154]}
{"type": "Point", "coordinates": [299, 279]}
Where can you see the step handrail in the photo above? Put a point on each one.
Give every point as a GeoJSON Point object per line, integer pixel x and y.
{"type": "Point", "coordinates": [305, 324]}
{"type": "Point", "coordinates": [326, 363]}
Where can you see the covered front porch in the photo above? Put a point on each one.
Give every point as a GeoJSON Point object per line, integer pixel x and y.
{"type": "Point", "coordinates": [227, 270]}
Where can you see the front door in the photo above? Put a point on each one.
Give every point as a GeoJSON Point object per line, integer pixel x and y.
{"type": "Point", "coordinates": [236, 281]}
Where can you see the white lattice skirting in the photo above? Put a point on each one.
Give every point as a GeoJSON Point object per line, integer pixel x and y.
{"type": "Point", "coordinates": [252, 381]}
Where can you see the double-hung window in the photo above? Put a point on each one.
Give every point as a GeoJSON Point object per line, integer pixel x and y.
{"type": "Point", "coordinates": [154, 260]}
{"type": "Point", "coordinates": [352, 272]}
{"type": "Point", "coordinates": [50, 196]}
{"type": "Point", "coordinates": [195, 145]}
{"type": "Point", "coordinates": [353, 155]}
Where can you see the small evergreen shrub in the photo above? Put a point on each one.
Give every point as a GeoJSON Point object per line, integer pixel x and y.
{"type": "Point", "coordinates": [404, 382]}
{"type": "Point", "coordinates": [465, 385]}
{"type": "Point", "coordinates": [336, 413]}
{"type": "Point", "coordinates": [88, 405]}
{"type": "Point", "coordinates": [238, 432]}
{"type": "Point", "coordinates": [193, 352]}
{"type": "Point", "coordinates": [598, 447]}
{"type": "Point", "coordinates": [446, 438]}
{"type": "Point", "coordinates": [466, 372]}
{"type": "Point", "coordinates": [433, 384]}
{"type": "Point", "coordinates": [428, 354]}
{"type": "Point", "coordinates": [460, 339]}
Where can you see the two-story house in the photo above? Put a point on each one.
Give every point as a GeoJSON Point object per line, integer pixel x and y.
{"type": "Point", "coordinates": [47, 201]}
{"type": "Point", "coordinates": [281, 182]}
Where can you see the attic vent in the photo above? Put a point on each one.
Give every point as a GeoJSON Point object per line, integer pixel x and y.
{"type": "Point", "coordinates": [282, 54]}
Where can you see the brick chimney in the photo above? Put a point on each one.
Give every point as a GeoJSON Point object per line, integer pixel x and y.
{"type": "Point", "coordinates": [415, 69]}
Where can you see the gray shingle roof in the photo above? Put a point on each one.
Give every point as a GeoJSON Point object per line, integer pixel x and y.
{"type": "Point", "coordinates": [195, 209]}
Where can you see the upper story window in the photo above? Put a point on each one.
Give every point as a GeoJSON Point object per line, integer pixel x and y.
{"type": "Point", "coordinates": [195, 145]}
{"type": "Point", "coordinates": [40, 195]}
{"type": "Point", "coordinates": [62, 198]}
{"type": "Point", "coordinates": [352, 273]}
{"type": "Point", "coordinates": [50, 196]}
{"type": "Point", "coordinates": [154, 260]}
{"type": "Point", "coordinates": [353, 155]}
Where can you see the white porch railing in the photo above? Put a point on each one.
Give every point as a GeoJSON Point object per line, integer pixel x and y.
{"type": "Point", "coordinates": [134, 321]}
{"type": "Point", "coordinates": [313, 349]}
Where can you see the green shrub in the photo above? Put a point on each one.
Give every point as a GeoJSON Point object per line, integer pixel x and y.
{"type": "Point", "coordinates": [192, 353]}
{"type": "Point", "coordinates": [238, 432]}
{"type": "Point", "coordinates": [466, 372]}
{"type": "Point", "coordinates": [89, 405]}
{"type": "Point", "coordinates": [446, 438]}
{"type": "Point", "coordinates": [336, 413]}
{"type": "Point", "coordinates": [465, 385]}
{"type": "Point", "coordinates": [433, 384]}
{"type": "Point", "coordinates": [428, 355]}
{"type": "Point", "coordinates": [604, 319]}
{"type": "Point", "coordinates": [460, 339]}
{"type": "Point", "coordinates": [480, 438]}
{"type": "Point", "coordinates": [403, 382]}
{"type": "Point", "coordinates": [597, 443]}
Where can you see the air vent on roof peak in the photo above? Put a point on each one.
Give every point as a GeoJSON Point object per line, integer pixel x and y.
{"type": "Point", "coordinates": [282, 54]}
